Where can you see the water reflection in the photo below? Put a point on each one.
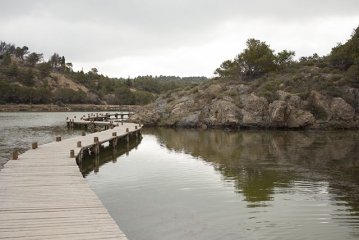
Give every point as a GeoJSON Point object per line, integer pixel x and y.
{"type": "Point", "coordinates": [92, 163]}
{"type": "Point", "coordinates": [193, 184]}
{"type": "Point", "coordinates": [257, 161]}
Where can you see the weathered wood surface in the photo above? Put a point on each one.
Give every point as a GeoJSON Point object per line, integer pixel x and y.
{"type": "Point", "coordinates": [44, 196]}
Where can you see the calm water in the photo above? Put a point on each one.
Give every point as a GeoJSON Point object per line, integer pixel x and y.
{"type": "Point", "coordinates": [19, 129]}
{"type": "Point", "coordinates": [194, 184]}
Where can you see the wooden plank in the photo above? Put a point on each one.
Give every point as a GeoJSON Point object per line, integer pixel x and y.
{"type": "Point", "coordinates": [44, 196]}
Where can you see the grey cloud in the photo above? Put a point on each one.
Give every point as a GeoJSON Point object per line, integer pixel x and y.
{"type": "Point", "coordinates": [97, 30]}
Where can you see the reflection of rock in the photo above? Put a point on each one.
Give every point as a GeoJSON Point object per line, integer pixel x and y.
{"type": "Point", "coordinates": [256, 160]}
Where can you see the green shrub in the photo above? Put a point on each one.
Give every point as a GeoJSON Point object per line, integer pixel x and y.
{"type": "Point", "coordinates": [304, 95]}
{"type": "Point", "coordinates": [318, 112]}
{"type": "Point", "coordinates": [272, 85]}
{"type": "Point", "coordinates": [322, 64]}
{"type": "Point", "coordinates": [335, 71]}
{"type": "Point", "coordinates": [60, 104]}
{"type": "Point", "coordinates": [270, 96]}
{"type": "Point", "coordinates": [239, 104]}
{"type": "Point", "coordinates": [232, 93]}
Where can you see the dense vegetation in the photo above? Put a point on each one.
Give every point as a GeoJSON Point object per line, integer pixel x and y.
{"type": "Point", "coordinates": [266, 72]}
{"type": "Point", "coordinates": [258, 59]}
{"type": "Point", "coordinates": [26, 78]}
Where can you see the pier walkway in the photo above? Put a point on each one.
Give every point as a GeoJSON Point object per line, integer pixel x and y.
{"type": "Point", "coordinates": [44, 196]}
{"type": "Point", "coordinates": [98, 120]}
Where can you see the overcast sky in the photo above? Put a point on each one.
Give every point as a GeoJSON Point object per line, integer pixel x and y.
{"type": "Point", "coordinates": [124, 38]}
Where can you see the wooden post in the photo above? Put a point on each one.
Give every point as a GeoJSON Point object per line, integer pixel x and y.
{"type": "Point", "coordinates": [83, 134]}
{"type": "Point", "coordinates": [15, 155]}
{"type": "Point", "coordinates": [121, 122]}
{"type": "Point", "coordinates": [72, 153]}
{"type": "Point", "coordinates": [135, 127]}
{"type": "Point", "coordinates": [96, 148]}
{"type": "Point", "coordinates": [114, 134]}
{"type": "Point", "coordinates": [113, 142]}
{"type": "Point", "coordinates": [34, 145]}
{"type": "Point", "coordinates": [97, 164]}
{"type": "Point", "coordinates": [127, 130]}
{"type": "Point", "coordinates": [79, 158]}
{"type": "Point", "coordinates": [79, 144]}
{"type": "Point", "coordinates": [58, 139]}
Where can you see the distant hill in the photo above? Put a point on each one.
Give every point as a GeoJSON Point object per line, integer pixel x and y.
{"type": "Point", "coordinates": [26, 78]}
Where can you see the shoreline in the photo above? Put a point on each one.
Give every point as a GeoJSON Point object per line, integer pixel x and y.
{"type": "Point", "coordinates": [318, 125]}
{"type": "Point", "coordinates": [65, 108]}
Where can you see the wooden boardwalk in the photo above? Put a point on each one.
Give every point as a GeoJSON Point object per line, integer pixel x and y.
{"type": "Point", "coordinates": [44, 196]}
{"type": "Point", "coordinates": [93, 120]}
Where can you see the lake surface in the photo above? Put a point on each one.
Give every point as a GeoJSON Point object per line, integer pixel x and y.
{"type": "Point", "coordinates": [195, 184]}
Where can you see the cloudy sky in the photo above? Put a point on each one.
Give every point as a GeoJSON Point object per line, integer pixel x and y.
{"type": "Point", "coordinates": [124, 38]}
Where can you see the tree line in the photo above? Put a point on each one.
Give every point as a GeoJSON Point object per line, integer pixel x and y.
{"type": "Point", "coordinates": [33, 72]}
{"type": "Point", "coordinates": [258, 59]}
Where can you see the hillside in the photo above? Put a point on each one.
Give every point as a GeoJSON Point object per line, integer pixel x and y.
{"type": "Point", "coordinates": [259, 89]}
{"type": "Point", "coordinates": [26, 78]}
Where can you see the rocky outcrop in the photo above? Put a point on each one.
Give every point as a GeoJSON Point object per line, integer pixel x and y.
{"type": "Point", "coordinates": [213, 90]}
{"type": "Point", "coordinates": [255, 111]}
{"type": "Point", "coordinates": [189, 121]}
{"type": "Point", "coordinates": [299, 118]}
{"type": "Point", "coordinates": [160, 105]}
{"type": "Point", "coordinates": [278, 113]}
{"type": "Point", "coordinates": [284, 114]}
{"type": "Point", "coordinates": [224, 113]}
{"type": "Point", "coordinates": [341, 110]}
{"type": "Point", "coordinates": [235, 106]}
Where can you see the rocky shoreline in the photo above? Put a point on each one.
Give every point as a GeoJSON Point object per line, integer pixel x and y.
{"type": "Point", "coordinates": [220, 106]}
{"type": "Point", "coordinates": [235, 106]}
